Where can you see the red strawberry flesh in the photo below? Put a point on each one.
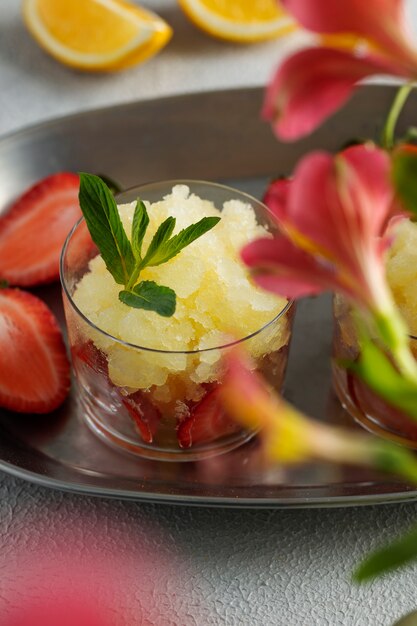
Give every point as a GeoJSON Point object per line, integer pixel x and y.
{"type": "Point", "coordinates": [206, 422]}
{"type": "Point", "coordinates": [144, 414]}
{"type": "Point", "coordinates": [91, 356]}
{"type": "Point", "coordinates": [34, 230]}
{"type": "Point", "coordinates": [34, 368]}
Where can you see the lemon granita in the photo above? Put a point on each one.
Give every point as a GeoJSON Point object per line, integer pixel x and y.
{"type": "Point", "coordinates": [402, 271]}
{"type": "Point", "coordinates": [164, 371]}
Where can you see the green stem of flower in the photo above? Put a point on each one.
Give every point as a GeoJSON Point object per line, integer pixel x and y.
{"type": "Point", "coordinates": [393, 459]}
{"type": "Point", "coordinates": [393, 332]}
{"type": "Point", "coordinates": [388, 132]}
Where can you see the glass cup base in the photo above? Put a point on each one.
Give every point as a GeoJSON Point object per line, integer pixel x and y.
{"type": "Point", "coordinates": [99, 418]}
{"type": "Point", "coordinates": [370, 422]}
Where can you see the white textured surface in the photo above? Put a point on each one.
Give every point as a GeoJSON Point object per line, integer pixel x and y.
{"type": "Point", "coordinates": [35, 87]}
{"type": "Point", "coordinates": [185, 566]}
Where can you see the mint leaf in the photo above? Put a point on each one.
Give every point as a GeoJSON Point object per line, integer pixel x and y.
{"type": "Point", "coordinates": [377, 371]}
{"type": "Point", "coordinates": [103, 221]}
{"type": "Point", "coordinates": [111, 184]}
{"type": "Point", "coordinates": [161, 236]}
{"type": "Point", "coordinates": [400, 552]}
{"type": "Point", "coordinates": [404, 173]}
{"type": "Point", "coordinates": [152, 297]}
{"type": "Point", "coordinates": [168, 248]}
{"type": "Point", "coordinates": [139, 227]}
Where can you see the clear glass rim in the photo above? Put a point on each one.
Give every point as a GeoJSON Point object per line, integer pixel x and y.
{"type": "Point", "coordinates": [190, 182]}
{"type": "Point", "coordinates": [127, 344]}
{"type": "Point", "coordinates": [410, 336]}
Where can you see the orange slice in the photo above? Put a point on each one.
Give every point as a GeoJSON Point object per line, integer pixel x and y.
{"type": "Point", "coordinates": [239, 20]}
{"type": "Point", "coordinates": [96, 34]}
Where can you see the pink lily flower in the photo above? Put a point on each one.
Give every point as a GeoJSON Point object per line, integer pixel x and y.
{"type": "Point", "coordinates": [332, 216]}
{"type": "Point", "coordinates": [366, 37]}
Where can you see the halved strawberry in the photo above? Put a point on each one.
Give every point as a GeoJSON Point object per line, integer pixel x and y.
{"type": "Point", "coordinates": [144, 414]}
{"type": "Point", "coordinates": [34, 368]}
{"type": "Point", "coordinates": [33, 231]}
{"type": "Point", "coordinates": [206, 422]}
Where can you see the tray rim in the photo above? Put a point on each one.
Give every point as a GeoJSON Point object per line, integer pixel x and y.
{"type": "Point", "coordinates": [68, 485]}
{"type": "Point", "coordinates": [27, 129]}
{"type": "Point", "coordinates": [210, 501]}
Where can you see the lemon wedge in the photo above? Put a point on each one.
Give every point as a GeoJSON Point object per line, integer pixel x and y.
{"type": "Point", "coordinates": [240, 20]}
{"type": "Point", "coordinates": [96, 34]}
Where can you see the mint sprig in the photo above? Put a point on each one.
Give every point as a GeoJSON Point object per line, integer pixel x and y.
{"type": "Point", "coordinates": [125, 260]}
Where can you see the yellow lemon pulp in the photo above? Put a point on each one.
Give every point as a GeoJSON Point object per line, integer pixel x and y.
{"type": "Point", "coordinates": [240, 20]}
{"type": "Point", "coordinates": [95, 34]}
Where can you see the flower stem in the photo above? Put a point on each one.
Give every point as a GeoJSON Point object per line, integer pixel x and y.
{"type": "Point", "coordinates": [393, 332]}
{"type": "Point", "coordinates": [388, 131]}
{"type": "Point", "coordinates": [393, 459]}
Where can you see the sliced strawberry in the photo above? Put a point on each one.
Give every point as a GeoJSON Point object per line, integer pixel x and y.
{"type": "Point", "coordinates": [144, 414]}
{"type": "Point", "coordinates": [91, 356]}
{"type": "Point", "coordinates": [380, 412]}
{"type": "Point", "coordinates": [206, 422]}
{"type": "Point", "coordinates": [34, 368]}
{"type": "Point", "coordinates": [33, 231]}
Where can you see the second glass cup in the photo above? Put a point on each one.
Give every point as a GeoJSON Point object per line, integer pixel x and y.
{"type": "Point", "coordinates": [365, 406]}
{"type": "Point", "coordinates": [156, 402]}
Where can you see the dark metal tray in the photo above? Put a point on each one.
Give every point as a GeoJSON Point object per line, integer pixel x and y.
{"type": "Point", "coordinates": [214, 136]}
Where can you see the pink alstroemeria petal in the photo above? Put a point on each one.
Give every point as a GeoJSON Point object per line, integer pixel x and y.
{"type": "Point", "coordinates": [276, 196]}
{"type": "Point", "coordinates": [245, 394]}
{"type": "Point", "coordinates": [367, 180]}
{"type": "Point", "coordinates": [332, 215]}
{"type": "Point", "coordinates": [314, 83]}
{"type": "Point", "coordinates": [341, 203]}
{"type": "Point", "coordinates": [380, 21]}
{"type": "Point", "coordinates": [282, 268]}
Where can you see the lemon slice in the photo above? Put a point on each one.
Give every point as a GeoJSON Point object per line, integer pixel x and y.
{"type": "Point", "coordinates": [96, 34]}
{"type": "Point", "coordinates": [239, 20]}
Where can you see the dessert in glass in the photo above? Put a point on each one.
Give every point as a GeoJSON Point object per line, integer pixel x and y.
{"type": "Point", "coordinates": [363, 404]}
{"type": "Point", "coordinates": [149, 383]}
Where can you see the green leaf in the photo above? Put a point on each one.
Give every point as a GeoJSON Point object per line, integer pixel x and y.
{"type": "Point", "coordinates": [111, 184]}
{"type": "Point", "coordinates": [161, 236]}
{"type": "Point", "coordinates": [169, 248]}
{"type": "Point", "coordinates": [397, 554]}
{"type": "Point", "coordinates": [152, 297]}
{"type": "Point", "coordinates": [404, 174]}
{"type": "Point", "coordinates": [139, 227]}
{"type": "Point", "coordinates": [377, 371]}
{"type": "Point", "coordinates": [393, 459]}
{"type": "Point", "coordinates": [103, 221]}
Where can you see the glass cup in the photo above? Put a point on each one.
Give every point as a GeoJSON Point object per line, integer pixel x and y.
{"type": "Point", "coordinates": [151, 418]}
{"type": "Point", "coordinates": [366, 407]}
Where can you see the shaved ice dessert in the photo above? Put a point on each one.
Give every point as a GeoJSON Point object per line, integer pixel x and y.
{"type": "Point", "coordinates": [370, 410]}
{"type": "Point", "coordinates": [161, 375]}
{"type": "Point", "coordinates": [402, 273]}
